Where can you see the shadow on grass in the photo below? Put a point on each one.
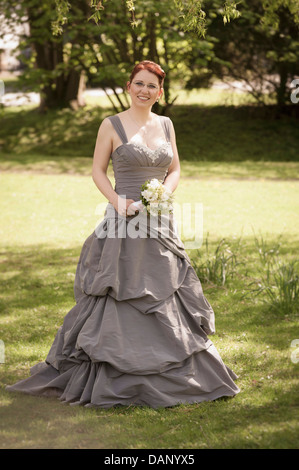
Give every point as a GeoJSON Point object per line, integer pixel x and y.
{"type": "Point", "coordinates": [61, 132]}
{"type": "Point", "coordinates": [241, 170]}
{"type": "Point", "coordinates": [218, 134]}
{"type": "Point", "coordinates": [256, 418]}
{"type": "Point", "coordinates": [37, 292]}
{"type": "Point", "coordinates": [46, 164]}
{"type": "Point", "coordinates": [228, 133]}
{"type": "Point", "coordinates": [31, 275]}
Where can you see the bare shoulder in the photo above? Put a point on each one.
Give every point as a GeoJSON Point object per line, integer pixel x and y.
{"type": "Point", "coordinates": [105, 124]}
{"type": "Point", "coordinates": [105, 131]}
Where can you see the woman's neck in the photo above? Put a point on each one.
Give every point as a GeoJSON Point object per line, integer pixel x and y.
{"type": "Point", "coordinates": [142, 116]}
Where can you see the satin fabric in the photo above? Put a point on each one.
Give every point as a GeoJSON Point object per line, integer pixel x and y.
{"type": "Point", "coordinates": [138, 332]}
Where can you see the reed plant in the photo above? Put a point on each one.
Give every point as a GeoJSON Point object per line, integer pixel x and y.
{"type": "Point", "coordinates": [276, 281]}
{"type": "Point", "coordinates": [220, 267]}
{"type": "Point", "coordinates": [278, 286]}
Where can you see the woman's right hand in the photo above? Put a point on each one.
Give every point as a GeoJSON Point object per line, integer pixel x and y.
{"type": "Point", "coordinates": [121, 205]}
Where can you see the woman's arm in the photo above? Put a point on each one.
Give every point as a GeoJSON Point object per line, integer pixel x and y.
{"type": "Point", "coordinates": [101, 157]}
{"type": "Point", "coordinates": [172, 179]}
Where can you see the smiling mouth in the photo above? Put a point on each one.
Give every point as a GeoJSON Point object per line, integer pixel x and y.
{"type": "Point", "coordinates": [143, 98]}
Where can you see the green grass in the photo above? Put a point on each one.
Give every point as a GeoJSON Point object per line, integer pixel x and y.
{"type": "Point", "coordinates": [49, 205]}
{"type": "Point", "coordinates": [38, 293]}
{"type": "Point", "coordinates": [39, 251]}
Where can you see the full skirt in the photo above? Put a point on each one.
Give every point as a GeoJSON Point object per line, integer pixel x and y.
{"type": "Point", "coordinates": [138, 332]}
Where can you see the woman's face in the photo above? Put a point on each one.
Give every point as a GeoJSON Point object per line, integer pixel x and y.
{"type": "Point", "coordinates": [144, 88]}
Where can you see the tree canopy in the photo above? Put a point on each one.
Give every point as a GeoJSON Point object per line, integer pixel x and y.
{"type": "Point", "coordinates": [195, 42]}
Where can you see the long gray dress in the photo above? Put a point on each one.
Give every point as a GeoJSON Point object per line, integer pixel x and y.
{"type": "Point", "coordinates": [138, 331]}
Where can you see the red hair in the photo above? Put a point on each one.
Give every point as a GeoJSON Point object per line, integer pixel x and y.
{"type": "Point", "coordinates": [150, 67]}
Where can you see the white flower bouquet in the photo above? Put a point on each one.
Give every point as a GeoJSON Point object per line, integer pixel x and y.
{"type": "Point", "coordinates": [156, 197]}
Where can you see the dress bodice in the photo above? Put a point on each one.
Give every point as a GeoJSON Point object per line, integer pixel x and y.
{"type": "Point", "coordinates": [135, 163]}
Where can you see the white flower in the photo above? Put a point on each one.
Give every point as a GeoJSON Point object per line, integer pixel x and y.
{"type": "Point", "coordinates": [156, 197]}
{"type": "Point", "coordinates": [154, 183]}
{"type": "Point", "coordinates": [165, 196]}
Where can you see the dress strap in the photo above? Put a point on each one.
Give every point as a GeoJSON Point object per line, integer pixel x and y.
{"type": "Point", "coordinates": [117, 124]}
{"type": "Point", "coordinates": [165, 121]}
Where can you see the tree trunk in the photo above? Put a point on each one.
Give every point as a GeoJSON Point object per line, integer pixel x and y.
{"type": "Point", "coordinates": [281, 89]}
{"type": "Point", "coordinates": [60, 91]}
{"type": "Point", "coordinates": [63, 93]}
{"type": "Point", "coordinates": [74, 88]}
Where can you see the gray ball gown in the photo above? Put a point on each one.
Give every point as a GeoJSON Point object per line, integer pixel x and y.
{"type": "Point", "coordinates": [137, 334]}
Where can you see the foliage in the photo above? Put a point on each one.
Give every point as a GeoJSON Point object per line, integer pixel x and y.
{"type": "Point", "coordinates": [51, 64]}
{"type": "Point", "coordinates": [261, 54]}
{"type": "Point", "coordinates": [191, 13]}
{"type": "Point", "coordinates": [98, 41]}
{"type": "Point", "coordinates": [156, 36]}
{"type": "Point", "coordinates": [272, 8]}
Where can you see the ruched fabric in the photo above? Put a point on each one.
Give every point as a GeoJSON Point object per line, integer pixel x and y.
{"type": "Point", "coordinates": [138, 332]}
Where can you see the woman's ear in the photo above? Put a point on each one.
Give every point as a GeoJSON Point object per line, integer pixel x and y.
{"type": "Point", "coordinates": [161, 93]}
{"type": "Point", "coordinates": [128, 86]}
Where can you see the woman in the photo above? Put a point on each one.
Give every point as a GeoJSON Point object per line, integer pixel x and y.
{"type": "Point", "coordinates": [138, 332]}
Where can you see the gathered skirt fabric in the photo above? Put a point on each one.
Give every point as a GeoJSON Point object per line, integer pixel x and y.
{"type": "Point", "coordinates": [138, 332]}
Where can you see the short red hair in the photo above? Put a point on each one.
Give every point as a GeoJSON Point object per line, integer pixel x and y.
{"type": "Point", "coordinates": [150, 67]}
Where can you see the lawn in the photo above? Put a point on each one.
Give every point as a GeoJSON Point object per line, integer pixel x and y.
{"type": "Point", "coordinates": [49, 205]}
